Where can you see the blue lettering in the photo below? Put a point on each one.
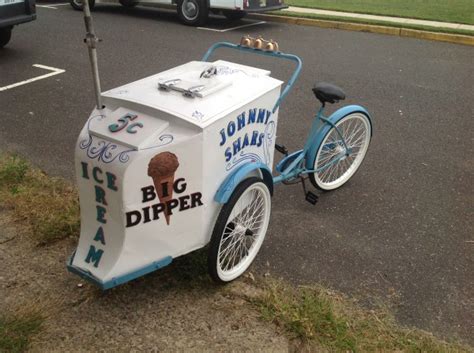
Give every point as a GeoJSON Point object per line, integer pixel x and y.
{"type": "Point", "coordinates": [99, 236]}
{"type": "Point", "coordinates": [94, 256]}
{"type": "Point", "coordinates": [223, 137]}
{"type": "Point", "coordinates": [241, 121]}
{"type": "Point", "coordinates": [130, 128]}
{"type": "Point", "coordinates": [230, 128]}
{"type": "Point", "coordinates": [95, 171]}
{"type": "Point", "coordinates": [268, 116]}
{"type": "Point", "coordinates": [101, 211]}
{"type": "Point", "coordinates": [252, 115]}
{"type": "Point", "coordinates": [260, 139]}
{"type": "Point", "coordinates": [85, 171]}
{"type": "Point", "coordinates": [111, 179]}
{"type": "Point", "coordinates": [245, 143]}
{"type": "Point", "coordinates": [254, 138]}
{"type": "Point", "coordinates": [228, 154]}
{"type": "Point", "coordinates": [100, 195]}
{"type": "Point", "coordinates": [237, 146]}
{"type": "Point", "coordinates": [261, 116]}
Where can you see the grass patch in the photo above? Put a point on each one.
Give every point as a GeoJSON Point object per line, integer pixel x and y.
{"type": "Point", "coordinates": [314, 315]}
{"type": "Point", "coordinates": [17, 328]}
{"type": "Point", "coordinates": [373, 22]}
{"type": "Point", "coordinates": [457, 11]}
{"type": "Point", "coordinates": [47, 207]}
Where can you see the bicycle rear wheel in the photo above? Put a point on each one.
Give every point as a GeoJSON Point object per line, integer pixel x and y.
{"type": "Point", "coordinates": [334, 167]}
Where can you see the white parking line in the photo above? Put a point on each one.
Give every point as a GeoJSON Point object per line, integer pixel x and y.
{"type": "Point", "coordinates": [52, 6]}
{"type": "Point", "coordinates": [233, 28]}
{"type": "Point", "coordinates": [54, 70]}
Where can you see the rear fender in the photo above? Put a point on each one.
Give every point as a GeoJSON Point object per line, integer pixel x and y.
{"type": "Point", "coordinates": [334, 118]}
{"type": "Point", "coordinates": [230, 183]}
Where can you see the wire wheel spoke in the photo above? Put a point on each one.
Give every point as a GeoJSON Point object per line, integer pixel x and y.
{"type": "Point", "coordinates": [244, 222]}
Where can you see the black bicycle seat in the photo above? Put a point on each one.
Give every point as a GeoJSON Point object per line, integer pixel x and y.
{"type": "Point", "coordinates": [329, 93]}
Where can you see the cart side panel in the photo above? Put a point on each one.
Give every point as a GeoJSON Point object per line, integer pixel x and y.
{"type": "Point", "coordinates": [149, 235]}
{"type": "Point", "coordinates": [124, 228]}
{"type": "Point", "coordinates": [99, 165]}
{"type": "Point", "coordinates": [245, 135]}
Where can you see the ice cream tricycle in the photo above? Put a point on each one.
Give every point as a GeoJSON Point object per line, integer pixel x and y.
{"type": "Point", "coordinates": [183, 159]}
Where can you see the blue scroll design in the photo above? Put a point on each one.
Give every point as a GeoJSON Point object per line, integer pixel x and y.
{"type": "Point", "coordinates": [243, 157]}
{"type": "Point", "coordinates": [226, 70]}
{"type": "Point", "coordinates": [107, 152]}
{"type": "Point", "coordinates": [164, 139]}
{"type": "Point", "coordinates": [269, 135]}
{"type": "Point", "coordinates": [269, 132]}
{"type": "Point", "coordinates": [198, 115]}
{"type": "Point", "coordinates": [103, 151]}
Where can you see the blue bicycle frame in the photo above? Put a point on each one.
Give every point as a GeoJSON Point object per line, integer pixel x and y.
{"type": "Point", "coordinates": [298, 163]}
{"type": "Point", "coordinates": [294, 165]}
{"type": "Point", "coordinates": [275, 54]}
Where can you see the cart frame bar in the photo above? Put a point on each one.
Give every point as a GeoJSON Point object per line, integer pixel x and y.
{"type": "Point", "coordinates": [275, 54]}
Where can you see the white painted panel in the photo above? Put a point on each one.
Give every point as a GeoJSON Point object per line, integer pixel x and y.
{"type": "Point", "coordinates": [223, 4]}
{"type": "Point", "coordinates": [136, 136]}
{"type": "Point", "coordinates": [123, 225]}
{"type": "Point", "coordinates": [247, 83]}
{"type": "Point", "coordinates": [10, 2]}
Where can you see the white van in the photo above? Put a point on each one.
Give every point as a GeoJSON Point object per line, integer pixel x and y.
{"type": "Point", "coordinates": [195, 12]}
{"type": "Point", "coordinates": [12, 13]}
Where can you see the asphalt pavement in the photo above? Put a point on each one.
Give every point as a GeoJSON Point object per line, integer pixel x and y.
{"type": "Point", "coordinates": [401, 230]}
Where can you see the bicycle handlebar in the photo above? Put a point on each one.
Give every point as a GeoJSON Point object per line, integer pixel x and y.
{"type": "Point", "coordinates": [276, 54]}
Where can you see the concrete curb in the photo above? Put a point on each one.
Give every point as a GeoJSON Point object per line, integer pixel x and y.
{"type": "Point", "coordinates": [394, 31]}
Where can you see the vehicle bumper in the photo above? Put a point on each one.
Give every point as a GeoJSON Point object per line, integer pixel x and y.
{"type": "Point", "coordinates": [16, 20]}
{"type": "Point", "coordinates": [265, 9]}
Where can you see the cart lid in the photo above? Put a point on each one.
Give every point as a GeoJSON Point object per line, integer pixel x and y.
{"type": "Point", "coordinates": [188, 94]}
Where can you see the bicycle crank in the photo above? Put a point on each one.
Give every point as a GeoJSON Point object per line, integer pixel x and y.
{"type": "Point", "coordinates": [312, 198]}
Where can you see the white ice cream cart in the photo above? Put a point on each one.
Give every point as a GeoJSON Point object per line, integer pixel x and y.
{"type": "Point", "coordinates": [125, 229]}
{"type": "Point", "coordinates": [183, 158]}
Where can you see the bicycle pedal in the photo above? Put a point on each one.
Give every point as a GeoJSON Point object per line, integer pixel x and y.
{"type": "Point", "coordinates": [311, 198]}
{"type": "Point", "coordinates": [282, 149]}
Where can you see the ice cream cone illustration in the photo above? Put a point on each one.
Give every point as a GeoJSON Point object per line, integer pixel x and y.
{"type": "Point", "coordinates": [162, 168]}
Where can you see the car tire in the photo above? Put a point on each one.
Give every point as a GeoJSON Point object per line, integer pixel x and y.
{"type": "Point", "coordinates": [234, 15]}
{"type": "Point", "coordinates": [77, 4]}
{"type": "Point", "coordinates": [128, 3]}
{"type": "Point", "coordinates": [193, 12]}
{"type": "Point", "coordinates": [5, 35]}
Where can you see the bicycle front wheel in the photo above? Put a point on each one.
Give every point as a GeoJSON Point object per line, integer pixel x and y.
{"type": "Point", "coordinates": [334, 167]}
{"type": "Point", "coordinates": [239, 230]}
